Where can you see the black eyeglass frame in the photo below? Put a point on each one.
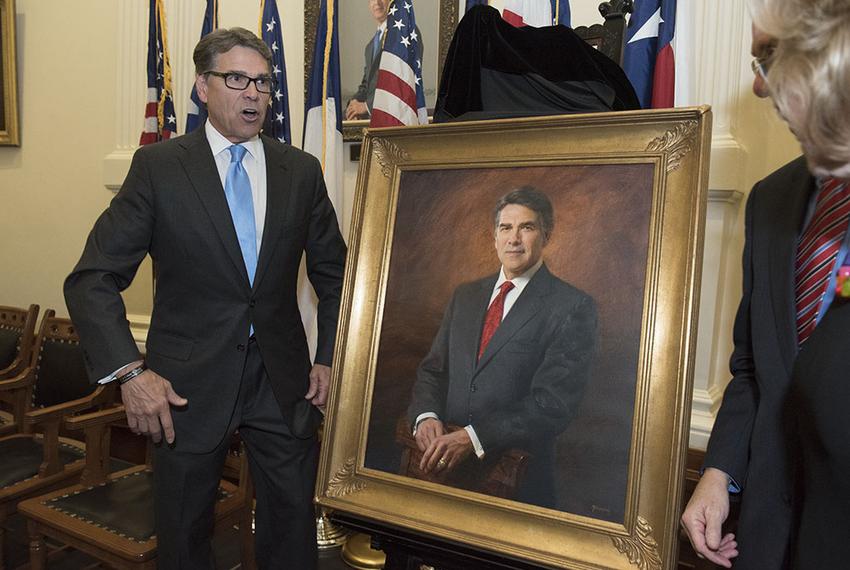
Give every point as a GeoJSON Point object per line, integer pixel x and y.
{"type": "Point", "coordinates": [225, 74]}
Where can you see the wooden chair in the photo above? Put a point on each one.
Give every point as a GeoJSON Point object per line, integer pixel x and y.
{"type": "Point", "coordinates": [610, 37]}
{"type": "Point", "coordinates": [17, 331]}
{"type": "Point", "coordinates": [498, 475]}
{"type": "Point", "coordinates": [54, 387]}
{"type": "Point", "coordinates": [110, 517]}
{"type": "Point", "coordinates": [17, 334]}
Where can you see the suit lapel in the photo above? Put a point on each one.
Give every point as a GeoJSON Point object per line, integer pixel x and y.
{"type": "Point", "coordinates": [278, 192]}
{"type": "Point", "coordinates": [472, 318]}
{"type": "Point", "coordinates": [783, 249]}
{"type": "Point", "coordinates": [527, 305]}
{"type": "Point", "coordinates": [203, 175]}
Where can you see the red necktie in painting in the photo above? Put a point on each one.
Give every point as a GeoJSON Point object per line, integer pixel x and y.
{"type": "Point", "coordinates": [816, 252]}
{"type": "Point", "coordinates": [494, 316]}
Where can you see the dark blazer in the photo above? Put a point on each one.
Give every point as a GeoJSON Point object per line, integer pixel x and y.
{"type": "Point", "coordinates": [529, 382]}
{"type": "Point", "coordinates": [818, 411]}
{"type": "Point", "coordinates": [749, 439]}
{"type": "Point", "coordinates": [172, 205]}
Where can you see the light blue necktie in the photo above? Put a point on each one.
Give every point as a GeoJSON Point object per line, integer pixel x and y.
{"type": "Point", "coordinates": [237, 188]}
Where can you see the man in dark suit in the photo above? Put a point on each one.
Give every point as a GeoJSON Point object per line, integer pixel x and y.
{"type": "Point", "coordinates": [226, 215]}
{"type": "Point", "coordinates": [796, 241]}
{"type": "Point", "coordinates": [361, 104]}
{"type": "Point", "coordinates": [511, 358]}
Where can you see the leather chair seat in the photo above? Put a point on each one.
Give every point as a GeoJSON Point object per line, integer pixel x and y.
{"type": "Point", "coordinates": [22, 457]}
{"type": "Point", "coordinates": [123, 505]}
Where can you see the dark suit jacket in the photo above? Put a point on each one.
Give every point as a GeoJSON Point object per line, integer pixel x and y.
{"type": "Point", "coordinates": [529, 382]}
{"type": "Point", "coordinates": [821, 428]}
{"type": "Point", "coordinates": [172, 205]}
{"type": "Point", "coordinates": [749, 439]}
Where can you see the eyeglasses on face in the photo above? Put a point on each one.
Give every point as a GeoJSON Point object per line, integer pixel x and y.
{"type": "Point", "coordinates": [240, 82]}
{"type": "Point", "coordinates": [760, 67]}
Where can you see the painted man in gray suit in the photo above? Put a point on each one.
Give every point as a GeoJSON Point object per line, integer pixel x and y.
{"type": "Point", "coordinates": [511, 358]}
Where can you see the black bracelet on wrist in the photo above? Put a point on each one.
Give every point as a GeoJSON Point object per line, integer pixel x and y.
{"type": "Point", "coordinates": [124, 378]}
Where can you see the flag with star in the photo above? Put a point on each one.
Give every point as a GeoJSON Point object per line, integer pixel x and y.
{"type": "Point", "coordinates": [277, 117]}
{"type": "Point", "coordinates": [323, 137]}
{"type": "Point", "coordinates": [536, 13]}
{"type": "Point", "coordinates": [197, 112]}
{"type": "Point", "coordinates": [648, 56]}
{"type": "Point", "coordinates": [160, 118]}
{"type": "Point", "coordinates": [399, 96]}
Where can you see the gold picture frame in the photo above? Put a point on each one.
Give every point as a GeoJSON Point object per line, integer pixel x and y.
{"type": "Point", "coordinates": [8, 76]}
{"type": "Point", "coordinates": [629, 194]}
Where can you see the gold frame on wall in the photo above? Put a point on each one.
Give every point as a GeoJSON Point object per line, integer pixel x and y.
{"type": "Point", "coordinates": [674, 146]}
{"type": "Point", "coordinates": [353, 130]}
{"type": "Point", "coordinates": [8, 79]}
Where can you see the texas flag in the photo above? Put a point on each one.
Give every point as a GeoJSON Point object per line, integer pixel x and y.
{"type": "Point", "coordinates": [648, 60]}
{"type": "Point", "coordinates": [323, 139]}
{"type": "Point", "coordinates": [536, 13]}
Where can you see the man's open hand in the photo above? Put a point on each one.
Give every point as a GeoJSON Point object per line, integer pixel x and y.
{"type": "Point", "coordinates": [147, 401]}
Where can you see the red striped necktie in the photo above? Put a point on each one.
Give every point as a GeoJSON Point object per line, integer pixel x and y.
{"type": "Point", "coordinates": [816, 253]}
{"type": "Point", "coordinates": [494, 316]}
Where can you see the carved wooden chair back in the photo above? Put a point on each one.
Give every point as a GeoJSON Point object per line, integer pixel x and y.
{"type": "Point", "coordinates": [609, 37]}
{"type": "Point", "coordinates": [17, 333]}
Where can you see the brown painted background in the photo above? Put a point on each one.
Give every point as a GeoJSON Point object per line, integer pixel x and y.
{"type": "Point", "coordinates": [444, 237]}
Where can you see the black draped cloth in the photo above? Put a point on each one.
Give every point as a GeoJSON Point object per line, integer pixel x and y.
{"type": "Point", "coordinates": [494, 70]}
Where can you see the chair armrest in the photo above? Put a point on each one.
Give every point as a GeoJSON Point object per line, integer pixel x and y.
{"type": "Point", "coordinates": [55, 413]}
{"type": "Point", "coordinates": [101, 417]}
{"type": "Point", "coordinates": [16, 367]}
{"type": "Point", "coordinates": [21, 380]}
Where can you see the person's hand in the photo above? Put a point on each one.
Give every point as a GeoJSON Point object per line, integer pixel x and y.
{"type": "Point", "coordinates": [446, 451]}
{"type": "Point", "coordinates": [147, 402]}
{"type": "Point", "coordinates": [320, 381]}
{"type": "Point", "coordinates": [427, 431]}
{"type": "Point", "coordinates": [355, 110]}
{"type": "Point", "coordinates": [704, 516]}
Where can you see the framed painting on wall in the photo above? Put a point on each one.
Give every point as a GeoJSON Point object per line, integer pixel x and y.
{"type": "Point", "coordinates": [580, 399]}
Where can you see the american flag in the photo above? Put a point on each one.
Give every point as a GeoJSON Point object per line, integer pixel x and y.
{"type": "Point", "coordinates": [197, 113]}
{"type": "Point", "coordinates": [160, 118]}
{"type": "Point", "coordinates": [277, 117]}
{"type": "Point", "coordinates": [399, 97]}
{"type": "Point", "coordinates": [648, 57]}
{"type": "Point", "coordinates": [537, 13]}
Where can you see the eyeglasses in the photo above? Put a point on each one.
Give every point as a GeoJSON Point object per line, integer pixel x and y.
{"type": "Point", "coordinates": [760, 67]}
{"type": "Point", "coordinates": [240, 82]}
